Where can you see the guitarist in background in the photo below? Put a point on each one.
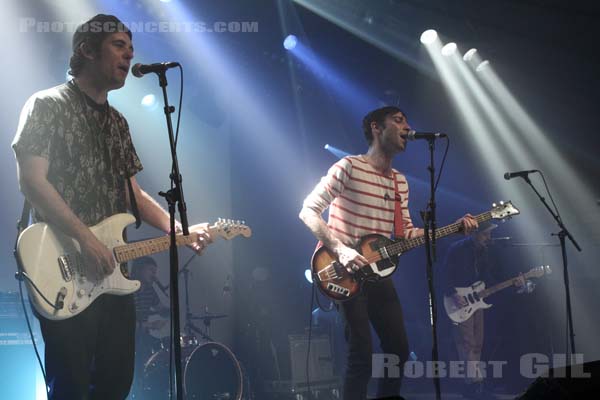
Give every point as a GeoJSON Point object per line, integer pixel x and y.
{"type": "Point", "coordinates": [364, 194]}
{"type": "Point", "coordinates": [468, 261]}
{"type": "Point", "coordinates": [74, 160]}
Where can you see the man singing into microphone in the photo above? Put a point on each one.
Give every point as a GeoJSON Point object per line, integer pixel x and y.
{"type": "Point", "coordinates": [366, 195]}
{"type": "Point", "coordinates": [76, 166]}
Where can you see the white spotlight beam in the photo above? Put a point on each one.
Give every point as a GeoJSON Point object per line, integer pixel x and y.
{"type": "Point", "coordinates": [479, 132]}
{"type": "Point", "coordinates": [579, 196]}
{"type": "Point", "coordinates": [348, 22]}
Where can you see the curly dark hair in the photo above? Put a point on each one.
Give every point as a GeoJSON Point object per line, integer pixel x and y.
{"type": "Point", "coordinates": [379, 115]}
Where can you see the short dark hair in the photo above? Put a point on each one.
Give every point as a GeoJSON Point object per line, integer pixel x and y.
{"type": "Point", "coordinates": [93, 33]}
{"type": "Point", "coordinates": [378, 115]}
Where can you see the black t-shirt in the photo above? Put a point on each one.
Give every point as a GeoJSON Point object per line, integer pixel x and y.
{"type": "Point", "coordinates": [466, 263]}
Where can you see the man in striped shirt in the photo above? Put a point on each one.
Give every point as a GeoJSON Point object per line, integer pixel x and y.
{"type": "Point", "coordinates": [361, 193]}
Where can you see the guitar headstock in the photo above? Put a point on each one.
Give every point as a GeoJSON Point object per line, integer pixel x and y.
{"type": "Point", "coordinates": [228, 228]}
{"type": "Point", "coordinates": [540, 271]}
{"type": "Point", "coordinates": [503, 210]}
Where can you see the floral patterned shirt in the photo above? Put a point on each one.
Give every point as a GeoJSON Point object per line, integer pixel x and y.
{"type": "Point", "coordinates": [88, 147]}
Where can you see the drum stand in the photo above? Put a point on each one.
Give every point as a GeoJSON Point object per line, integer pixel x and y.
{"type": "Point", "coordinates": [207, 318]}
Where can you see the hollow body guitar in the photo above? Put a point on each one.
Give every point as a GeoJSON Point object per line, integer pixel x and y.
{"type": "Point", "coordinates": [383, 254]}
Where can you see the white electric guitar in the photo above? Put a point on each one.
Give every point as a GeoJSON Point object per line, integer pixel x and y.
{"type": "Point", "coordinates": [52, 263]}
{"type": "Point", "coordinates": [474, 295]}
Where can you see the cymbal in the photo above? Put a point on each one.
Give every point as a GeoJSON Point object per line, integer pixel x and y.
{"type": "Point", "coordinates": [208, 316]}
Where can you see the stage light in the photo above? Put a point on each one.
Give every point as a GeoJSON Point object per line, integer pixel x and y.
{"type": "Point", "coordinates": [482, 66]}
{"type": "Point", "coordinates": [428, 36]}
{"type": "Point", "coordinates": [308, 276]}
{"type": "Point", "coordinates": [469, 55]}
{"type": "Point", "coordinates": [149, 101]}
{"type": "Point", "coordinates": [165, 1]}
{"type": "Point", "coordinates": [290, 42]}
{"type": "Point", "coordinates": [449, 49]}
{"type": "Point", "coordinates": [335, 151]}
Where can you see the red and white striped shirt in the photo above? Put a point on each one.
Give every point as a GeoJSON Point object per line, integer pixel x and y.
{"type": "Point", "coordinates": [360, 200]}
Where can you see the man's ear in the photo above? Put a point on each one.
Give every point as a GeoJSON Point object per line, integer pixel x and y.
{"type": "Point", "coordinates": [86, 51]}
{"type": "Point", "coordinates": [375, 128]}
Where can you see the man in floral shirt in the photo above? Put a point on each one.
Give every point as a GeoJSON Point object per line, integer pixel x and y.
{"type": "Point", "coordinates": [74, 156]}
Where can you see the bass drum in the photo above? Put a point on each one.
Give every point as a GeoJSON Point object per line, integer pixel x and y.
{"type": "Point", "coordinates": [212, 372]}
{"type": "Point", "coordinates": [156, 369]}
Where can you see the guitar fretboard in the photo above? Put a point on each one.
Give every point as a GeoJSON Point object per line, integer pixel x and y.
{"type": "Point", "coordinates": [510, 282]}
{"type": "Point", "coordinates": [404, 245]}
{"type": "Point", "coordinates": [147, 247]}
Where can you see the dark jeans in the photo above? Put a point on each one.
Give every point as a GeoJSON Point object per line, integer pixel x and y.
{"type": "Point", "coordinates": [90, 356]}
{"type": "Point", "coordinates": [378, 304]}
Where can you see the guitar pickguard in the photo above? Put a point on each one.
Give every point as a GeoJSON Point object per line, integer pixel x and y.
{"type": "Point", "coordinates": [385, 266]}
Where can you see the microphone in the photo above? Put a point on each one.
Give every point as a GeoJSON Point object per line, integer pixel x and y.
{"type": "Point", "coordinates": [501, 238]}
{"type": "Point", "coordinates": [139, 70]}
{"type": "Point", "coordinates": [414, 135]}
{"type": "Point", "coordinates": [522, 174]}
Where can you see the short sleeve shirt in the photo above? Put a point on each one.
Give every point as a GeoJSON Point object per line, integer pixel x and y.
{"type": "Point", "coordinates": [88, 147]}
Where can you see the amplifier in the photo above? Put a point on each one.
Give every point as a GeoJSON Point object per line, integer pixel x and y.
{"type": "Point", "coordinates": [320, 362]}
{"type": "Point", "coordinates": [10, 305]}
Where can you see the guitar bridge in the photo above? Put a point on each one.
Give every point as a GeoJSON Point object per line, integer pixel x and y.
{"type": "Point", "coordinates": [330, 273]}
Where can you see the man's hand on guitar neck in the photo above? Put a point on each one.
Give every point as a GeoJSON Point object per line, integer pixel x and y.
{"type": "Point", "coordinates": [203, 239]}
{"type": "Point", "coordinates": [469, 224]}
{"type": "Point", "coordinates": [349, 258]}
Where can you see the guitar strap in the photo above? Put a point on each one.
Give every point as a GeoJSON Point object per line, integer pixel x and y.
{"type": "Point", "coordinates": [22, 223]}
{"type": "Point", "coordinates": [398, 221]}
{"type": "Point", "coordinates": [134, 207]}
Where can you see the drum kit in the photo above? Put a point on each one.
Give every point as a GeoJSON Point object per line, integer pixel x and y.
{"type": "Point", "coordinates": [210, 369]}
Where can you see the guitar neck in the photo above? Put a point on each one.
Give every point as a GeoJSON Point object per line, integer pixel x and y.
{"type": "Point", "coordinates": [404, 245]}
{"type": "Point", "coordinates": [503, 285]}
{"type": "Point", "coordinates": [147, 247]}
{"type": "Point", "coordinates": [131, 251]}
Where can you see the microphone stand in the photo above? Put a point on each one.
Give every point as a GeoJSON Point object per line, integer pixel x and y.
{"type": "Point", "coordinates": [429, 220]}
{"type": "Point", "coordinates": [561, 236]}
{"type": "Point", "coordinates": [189, 325]}
{"type": "Point", "coordinates": [174, 196]}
